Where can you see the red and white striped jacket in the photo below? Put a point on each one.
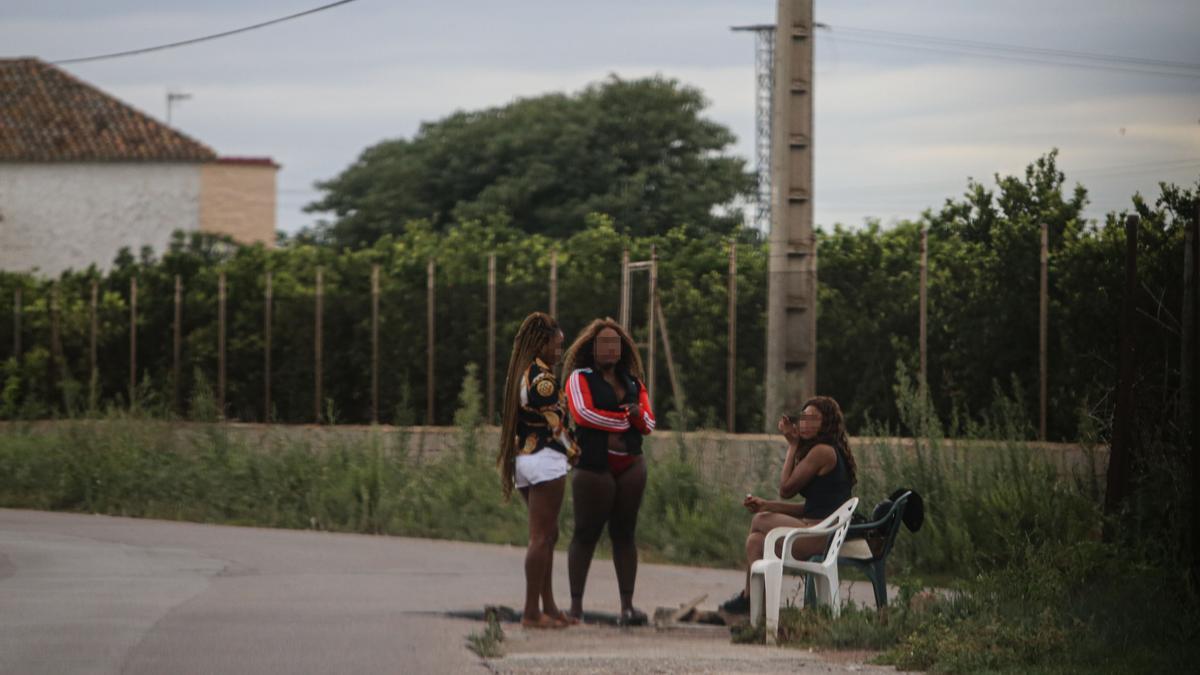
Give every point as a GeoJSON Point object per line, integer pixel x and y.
{"type": "Point", "coordinates": [597, 412]}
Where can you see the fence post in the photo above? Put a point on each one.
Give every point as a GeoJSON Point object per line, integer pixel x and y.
{"type": "Point", "coordinates": [267, 299]}
{"type": "Point", "coordinates": [491, 339]}
{"type": "Point", "coordinates": [1120, 458]}
{"type": "Point", "coordinates": [1043, 319]}
{"type": "Point", "coordinates": [133, 288]}
{"type": "Point", "coordinates": [93, 367]}
{"type": "Point", "coordinates": [55, 342]}
{"type": "Point", "coordinates": [554, 282]}
{"type": "Point", "coordinates": [651, 389]}
{"type": "Point", "coordinates": [923, 375]}
{"type": "Point", "coordinates": [375, 344]}
{"type": "Point", "coordinates": [676, 391]}
{"type": "Point", "coordinates": [731, 358]}
{"type": "Point", "coordinates": [430, 271]}
{"type": "Point", "coordinates": [1192, 391]}
{"type": "Point", "coordinates": [221, 343]}
{"type": "Point", "coordinates": [177, 344]}
{"type": "Point", "coordinates": [17, 325]}
{"type": "Point", "coordinates": [1187, 343]}
{"type": "Point", "coordinates": [320, 298]}
{"type": "Point", "coordinates": [623, 310]}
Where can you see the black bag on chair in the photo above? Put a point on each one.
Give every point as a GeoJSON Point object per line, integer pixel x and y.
{"type": "Point", "coordinates": [914, 511]}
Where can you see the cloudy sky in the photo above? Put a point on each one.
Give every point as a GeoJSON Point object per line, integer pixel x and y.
{"type": "Point", "coordinates": [898, 127]}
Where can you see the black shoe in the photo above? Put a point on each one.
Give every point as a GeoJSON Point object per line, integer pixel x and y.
{"type": "Point", "coordinates": [632, 617]}
{"type": "Point", "coordinates": [738, 604]}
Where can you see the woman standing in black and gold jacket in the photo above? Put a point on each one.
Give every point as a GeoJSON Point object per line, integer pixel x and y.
{"type": "Point", "coordinates": [535, 453]}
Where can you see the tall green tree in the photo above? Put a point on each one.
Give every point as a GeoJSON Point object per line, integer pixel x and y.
{"type": "Point", "coordinates": [638, 151]}
{"type": "Point", "coordinates": [983, 303]}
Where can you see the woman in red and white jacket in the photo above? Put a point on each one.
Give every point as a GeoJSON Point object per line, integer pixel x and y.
{"type": "Point", "coordinates": [611, 413]}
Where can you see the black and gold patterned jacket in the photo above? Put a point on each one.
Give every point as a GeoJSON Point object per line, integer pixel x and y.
{"type": "Point", "coordinates": [541, 418]}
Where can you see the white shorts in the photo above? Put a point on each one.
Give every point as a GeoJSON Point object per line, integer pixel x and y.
{"type": "Point", "coordinates": [544, 465]}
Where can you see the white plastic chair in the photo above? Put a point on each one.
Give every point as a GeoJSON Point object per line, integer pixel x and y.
{"type": "Point", "coordinates": [766, 575]}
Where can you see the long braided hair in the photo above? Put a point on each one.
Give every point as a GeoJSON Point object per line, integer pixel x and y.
{"type": "Point", "coordinates": [832, 432]}
{"type": "Point", "coordinates": [536, 331]}
{"type": "Point", "coordinates": [582, 352]}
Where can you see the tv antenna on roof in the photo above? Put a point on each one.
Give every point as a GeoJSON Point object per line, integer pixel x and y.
{"type": "Point", "coordinates": [172, 98]}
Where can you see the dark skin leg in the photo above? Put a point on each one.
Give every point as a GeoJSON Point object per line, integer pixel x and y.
{"type": "Point", "coordinates": [547, 593]}
{"type": "Point", "coordinates": [622, 526]}
{"type": "Point", "coordinates": [593, 493]}
{"type": "Point", "coordinates": [544, 501]}
{"type": "Point", "coordinates": [764, 522]}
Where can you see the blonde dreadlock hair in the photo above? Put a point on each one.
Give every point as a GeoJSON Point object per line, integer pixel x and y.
{"type": "Point", "coordinates": [582, 352]}
{"type": "Point", "coordinates": [536, 331]}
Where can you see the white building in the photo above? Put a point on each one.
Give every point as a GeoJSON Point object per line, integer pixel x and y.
{"type": "Point", "coordinates": [82, 175]}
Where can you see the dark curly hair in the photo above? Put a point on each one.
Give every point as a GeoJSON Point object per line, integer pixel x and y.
{"type": "Point", "coordinates": [582, 352]}
{"type": "Point", "coordinates": [832, 432]}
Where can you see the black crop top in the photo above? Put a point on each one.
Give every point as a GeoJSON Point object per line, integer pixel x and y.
{"type": "Point", "coordinates": [824, 494]}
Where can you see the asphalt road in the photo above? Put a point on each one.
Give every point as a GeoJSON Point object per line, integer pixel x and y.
{"type": "Point", "coordinates": [99, 594]}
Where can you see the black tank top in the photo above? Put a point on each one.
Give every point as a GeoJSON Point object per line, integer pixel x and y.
{"type": "Point", "coordinates": [824, 494]}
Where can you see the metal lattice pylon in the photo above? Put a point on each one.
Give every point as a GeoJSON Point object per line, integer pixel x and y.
{"type": "Point", "coordinates": [764, 85]}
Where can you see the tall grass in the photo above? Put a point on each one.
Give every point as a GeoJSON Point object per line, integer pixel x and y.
{"type": "Point", "coordinates": [985, 499]}
{"type": "Point", "coordinates": [983, 502]}
{"type": "Point", "coordinates": [130, 465]}
{"type": "Point", "coordinates": [144, 468]}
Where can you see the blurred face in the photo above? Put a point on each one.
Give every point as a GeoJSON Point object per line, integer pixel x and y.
{"type": "Point", "coordinates": [553, 350]}
{"type": "Point", "coordinates": [607, 348]}
{"type": "Point", "coordinates": [809, 423]}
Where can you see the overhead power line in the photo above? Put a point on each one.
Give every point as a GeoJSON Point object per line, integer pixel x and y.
{"type": "Point", "coordinates": [1064, 53]}
{"type": "Point", "coordinates": [1018, 53]}
{"type": "Point", "coordinates": [214, 36]}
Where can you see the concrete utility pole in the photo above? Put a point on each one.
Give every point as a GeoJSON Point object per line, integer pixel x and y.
{"type": "Point", "coordinates": [791, 365]}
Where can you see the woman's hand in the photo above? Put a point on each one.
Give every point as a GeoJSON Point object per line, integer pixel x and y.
{"type": "Point", "coordinates": [788, 429]}
{"type": "Point", "coordinates": [633, 411]}
{"type": "Point", "coordinates": [754, 504]}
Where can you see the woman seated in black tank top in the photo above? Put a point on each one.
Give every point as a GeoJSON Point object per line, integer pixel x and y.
{"type": "Point", "coordinates": [819, 467]}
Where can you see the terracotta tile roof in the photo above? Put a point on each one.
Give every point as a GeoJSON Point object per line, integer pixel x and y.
{"type": "Point", "coordinates": [47, 115]}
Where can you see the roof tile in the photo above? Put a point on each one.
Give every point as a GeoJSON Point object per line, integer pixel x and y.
{"type": "Point", "coordinates": [47, 115]}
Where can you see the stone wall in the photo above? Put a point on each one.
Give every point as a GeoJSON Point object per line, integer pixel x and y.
{"type": "Point", "coordinates": [740, 461]}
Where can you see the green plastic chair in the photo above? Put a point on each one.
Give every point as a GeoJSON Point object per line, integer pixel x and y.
{"type": "Point", "coordinates": [861, 557]}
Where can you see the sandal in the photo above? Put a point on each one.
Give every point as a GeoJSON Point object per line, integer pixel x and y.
{"type": "Point", "coordinates": [565, 619]}
{"type": "Point", "coordinates": [632, 617]}
{"type": "Point", "coordinates": [544, 621]}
